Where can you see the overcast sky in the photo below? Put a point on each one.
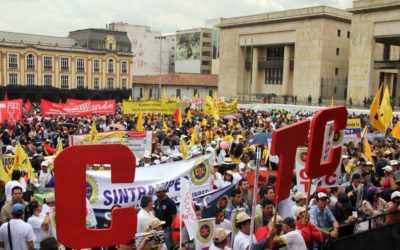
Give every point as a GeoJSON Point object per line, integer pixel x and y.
{"type": "Point", "coordinates": [57, 17]}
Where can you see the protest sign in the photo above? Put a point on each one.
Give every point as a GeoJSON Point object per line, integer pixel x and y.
{"type": "Point", "coordinates": [78, 108]}
{"type": "Point", "coordinates": [137, 142]}
{"type": "Point", "coordinates": [352, 131]}
{"type": "Point", "coordinates": [262, 177]}
{"type": "Point", "coordinates": [197, 103]}
{"type": "Point", "coordinates": [224, 109]}
{"type": "Point", "coordinates": [205, 232]}
{"type": "Point", "coordinates": [303, 181]}
{"type": "Point", "coordinates": [11, 111]}
{"type": "Point", "coordinates": [149, 106]}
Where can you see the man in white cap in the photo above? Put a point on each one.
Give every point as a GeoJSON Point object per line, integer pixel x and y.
{"type": "Point", "coordinates": [220, 239]}
{"type": "Point", "coordinates": [393, 208]}
{"type": "Point", "coordinates": [242, 238]}
{"type": "Point", "coordinates": [44, 175]}
{"type": "Point", "coordinates": [322, 217]}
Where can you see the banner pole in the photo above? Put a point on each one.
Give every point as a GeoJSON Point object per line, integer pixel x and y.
{"type": "Point", "coordinates": [254, 204]}
{"type": "Point", "coordinates": [180, 220]}
{"type": "Point", "coordinates": [308, 196]}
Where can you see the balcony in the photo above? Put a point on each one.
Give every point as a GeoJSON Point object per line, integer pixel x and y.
{"type": "Point", "coordinates": [387, 64]}
{"type": "Point", "coordinates": [264, 63]}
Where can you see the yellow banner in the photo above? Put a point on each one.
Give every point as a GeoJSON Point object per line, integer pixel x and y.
{"type": "Point", "coordinates": [105, 136]}
{"type": "Point", "coordinates": [223, 108]}
{"type": "Point", "coordinates": [149, 106]}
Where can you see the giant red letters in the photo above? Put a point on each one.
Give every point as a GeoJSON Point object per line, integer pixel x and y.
{"type": "Point", "coordinates": [70, 193]}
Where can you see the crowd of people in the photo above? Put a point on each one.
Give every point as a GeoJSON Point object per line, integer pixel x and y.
{"type": "Point", "coordinates": [367, 188]}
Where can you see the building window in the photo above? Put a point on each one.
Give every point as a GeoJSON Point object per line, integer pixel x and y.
{"type": "Point", "coordinates": [64, 64]}
{"type": "Point", "coordinates": [178, 92]}
{"type": "Point", "coordinates": [124, 68]}
{"type": "Point", "coordinates": [30, 79]}
{"type": "Point", "coordinates": [348, 34]}
{"type": "Point", "coordinates": [48, 80]}
{"type": "Point", "coordinates": [172, 64]}
{"type": "Point", "coordinates": [110, 83]}
{"type": "Point", "coordinates": [206, 53]}
{"type": "Point", "coordinates": [206, 34]}
{"type": "Point", "coordinates": [336, 71]}
{"type": "Point", "coordinates": [96, 66]}
{"type": "Point", "coordinates": [123, 83]}
{"type": "Point", "coordinates": [64, 82]}
{"type": "Point", "coordinates": [110, 66]}
{"type": "Point", "coordinates": [150, 93]}
{"type": "Point", "coordinates": [275, 53]}
{"type": "Point", "coordinates": [210, 93]}
{"type": "Point", "coordinates": [80, 81]}
{"type": "Point", "coordinates": [338, 33]}
{"type": "Point", "coordinates": [96, 83]}
{"type": "Point", "coordinates": [195, 91]}
{"type": "Point", "coordinates": [141, 92]}
{"type": "Point", "coordinates": [205, 63]}
{"type": "Point", "coordinates": [172, 47]}
{"type": "Point", "coordinates": [13, 61]}
{"type": "Point", "coordinates": [337, 51]}
{"type": "Point", "coordinates": [30, 62]}
{"type": "Point", "coordinates": [206, 44]}
{"type": "Point", "coordinates": [48, 63]}
{"type": "Point", "coordinates": [13, 79]}
{"type": "Point", "coordinates": [273, 76]}
{"type": "Point", "coordinates": [110, 46]}
{"type": "Point", "coordinates": [386, 52]}
{"type": "Point", "coordinates": [80, 65]}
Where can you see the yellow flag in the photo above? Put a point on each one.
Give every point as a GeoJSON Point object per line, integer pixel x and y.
{"type": "Point", "coordinates": [332, 104]}
{"type": "Point", "coordinates": [197, 95]}
{"type": "Point", "coordinates": [385, 110]}
{"type": "Point", "coordinates": [184, 149]}
{"type": "Point", "coordinates": [364, 131]}
{"type": "Point", "coordinates": [180, 119]}
{"type": "Point", "coordinates": [178, 100]}
{"type": "Point", "coordinates": [367, 150]}
{"type": "Point", "coordinates": [130, 98]}
{"type": "Point", "coordinates": [396, 131]}
{"type": "Point", "coordinates": [193, 139]}
{"type": "Point", "coordinates": [265, 154]}
{"type": "Point", "coordinates": [5, 173]}
{"type": "Point", "coordinates": [374, 111]}
{"type": "Point", "coordinates": [204, 122]}
{"type": "Point", "coordinates": [215, 96]}
{"type": "Point", "coordinates": [164, 96]}
{"type": "Point", "coordinates": [93, 132]}
{"type": "Point", "coordinates": [60, 146]}
{"type": "Point", "coordinates": [164, 125]}
{"type": "Point", "coordinates": [21, 161]}
{"type": "Point", "coordinates": [288, 116]}
{"type": "Point", "coordinates": [139, 124]}
{"type": "Point", "coordinates": [189, 116]}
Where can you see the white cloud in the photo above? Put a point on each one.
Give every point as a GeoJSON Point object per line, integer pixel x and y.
{"type": "Point", "coordinates": [58, 17]}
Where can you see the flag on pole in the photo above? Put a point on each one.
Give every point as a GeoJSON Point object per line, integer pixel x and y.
{"type": "Point", "coordinates": [28, 106]}
{"type": "Point", "coordinates": [367, 150]}
{"type": "Point", "coordinates": [164, 96]}
{"type": "Point", "coordinates": [184, 149]}
{"type": "Point", "coordinates": [21, 161]}
{"type": "Point", "coordinates": [193, 138]}
{"type": "Point", "coordinates": [60, 147]}
{"type": "Point", "coordinates": [164, 125]}
{"type": "Point", "coordinates": [139, 123]}
{"type": "Point", "coordinates": [187, 208]}
{"type": "Point", "coordinates": [205, 232]}
{"type": "Point", "coordinates": [6, 169]}
{"type": "Point", "coordinates": [189, 115]}
{"type": "Point", "coordinates": [364, 132]}
{"type": "Point", "coordinates": [396, 131]}
{"type": "Point", "coordinates": [374, 111]}
{"type": "Point", "coordinates": [385, 110]}
{"type": "Point", "coordinates": [93, 132]}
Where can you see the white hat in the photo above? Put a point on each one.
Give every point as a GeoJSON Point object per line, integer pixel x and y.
{"type": "Point", "coordinates": [394, 162]}
{"type": "Point", "coordinates": [241, 217]}
{"type": "Point", "coordinates": [161, 188]}
{"type": "Point", "coordinates": [209, 149]}
{"type": "Point", "coordinates": [395, 194]}
{"type": "Point", "coordinates": [213, 143]}
{"type": "Point", "coordinates": [183, 136]}
{"type": "Point", "coordinates": [322, 195]}
{"type": "Point", "coordinates": [146, 154]}
{"type": "Point", "coordinates": [164, 158]}
{"type": "Point", "coordinates": [44, 163]}
{"type": "Point", "coordinates": [227, 160]}
{"type": "Point", "coordinates": [345, 156]}
{"type": "Point", "coordinates": [369, 163]}
{"type": "Point", "coordinates": [298, 211]}
{"type": "Point", "coordinates": [299, 196]}
{"type": "Point", "coordinates": [8, 148]}
{"type": "Point", "coordinates": [156, 223]}
{"type": "Point", "coordinates": [388, 168]}
{"type": "Point", "coordinates": [220, 234]}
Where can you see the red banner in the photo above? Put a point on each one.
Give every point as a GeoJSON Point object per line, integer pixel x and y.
{"type": "Point", "coordinates": [79, 108]}
{"type": "Point", "coordinates": [11, 111]}
{"type": "Point", "coordinates": [75, 101]}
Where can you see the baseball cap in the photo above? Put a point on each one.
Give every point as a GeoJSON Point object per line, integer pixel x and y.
{"type": "Point", "coordinates": [373, 190]}
{"type": "Point", "coordinates": [17, 208]}
{"type": "Point", "coordinates": [160, 188]}
{"type": "Point", "coordinates": [156, 223]}
{"type": "Point", "coordinates": [394, 162]}
{"type": "Point", "coordinates": [146, 154]}
{"type": "Point", "coordinates": [323, 190]}
{"type": "Point", "coordinates": [395, 194]}
{"type": "Point", "coordinates": [44, 163]}
{"type": "Point", "coordinates": [242, 217]}
{"type": "Point", "coordinates": [221, 234]}
{"type": "Point", "coordinates": [298, 211]}
{"type": "Point", "coordinates": [388, 168]}
{"type": "Point", "coordinates": [300, 196]}
{"type": "Point", "coordinates": [322, 195]}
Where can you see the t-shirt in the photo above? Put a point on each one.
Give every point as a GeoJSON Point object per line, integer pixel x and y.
{"type": "Point", "coordinates": [164, 210]}
{"type": "Point", "coordinates": [21, 234]}
{"type": "Point", "coordinates": [242, 241]}
{"type": "Point", "coordinates": [294, 240]}
{"type": "Point", "coordinates": [43, 178]}
{"type": "Point", "coordinates": [226, 224]}
{"type": "Point", "coordinates": [36, 223]}
{"type": "Point", "coordinates": [144, 219]}
{"type": "Point", "coordinates": [9, 186]}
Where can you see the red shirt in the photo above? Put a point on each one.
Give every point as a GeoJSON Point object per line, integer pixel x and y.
{"type": "Point", "coordinates": [310, 232]}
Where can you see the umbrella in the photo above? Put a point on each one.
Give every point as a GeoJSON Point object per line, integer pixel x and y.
{"type": "Point", "coordinates": [230, 117]}
{"type": "Point", "coordinates": [261, 138]}
{"type": "Point", "coordinates": [117, 126]}
{"type": "Point", "coordinates": [238, 115]}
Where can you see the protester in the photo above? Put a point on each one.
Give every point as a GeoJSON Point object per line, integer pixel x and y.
{"type": "Point", "coordinates": [6, 210]}
{"type": "Point", "coordinates": [374, 205]}
{"type": "Point", "coordinates": [220, 220]}
{"type": "Point", "coordinates": [345, 214]}
{"type": "Point", "coordinates": [322, 217]}
{"type": "Point", "coordinates": [49, 243]}
{"type": "Point", "coordinates": [311, 234]}
{"type": "Point", "coordinates": [265, 214]}
{"type": "Point", "coordinates": [220, 239]}
{"type": "Point", "coordinates": [242, 239]}
{"type": "Point", "coordinates": [17, 234]}
{"type": "Point", "coordinates": [393, 209]}
{"type": "Point", "coordinates": [301, 200]}
{"type": "Point", "coordinates": [39, 222]}
{"type": "Point", "coordinates": [145, 215]}
{"type": "Point", "coordinates": [291, 237]}
{"type": "Point", "coordinates": [243, 185]}
{"type": "Point", "coordinates": [15, 181]}
{"type": "Point", "coordinates": [236, 202]}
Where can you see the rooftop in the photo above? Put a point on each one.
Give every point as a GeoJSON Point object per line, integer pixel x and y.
{"type": "Point", "coordinates": [287, 16]}
{"type": "Point", "coordinates": [20, 38]}
{"type": "Point", "coordinates": [179, 79]}
{"type": "Point", "coordinates": [363, 6]}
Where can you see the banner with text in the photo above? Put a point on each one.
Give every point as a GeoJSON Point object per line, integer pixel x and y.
{"type": "Point", "coordinates": [149, 106]}
{"type": "Point", "coordinates": [103, 195]}
{"type": "Point", "coordinates": [137, 142]}
{"type": "Point", "coordinates": [11, 111]}
{"type": "Point", "coordinates": [78, 108]}
{"type": "Point", "coordinates": [353, 130]}
{"type": "Point", "coordinates": [223, 108]}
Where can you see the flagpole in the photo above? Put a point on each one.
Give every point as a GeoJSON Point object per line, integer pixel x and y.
{"type": "Point", "coordinates": [180, 221]}
{"type": "Point", "coordinates": [253, 207]}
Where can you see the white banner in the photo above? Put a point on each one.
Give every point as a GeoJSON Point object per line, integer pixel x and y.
{"type": "Point", "coordinates": [330, 180]}
{"type": "Point", "coordinates": [303, 182]}
{"type": "Point", "coordinates": [205, 232]}
{"type": "Point", "coordinates": [187, 208]}
{"type": "Point", "coordinates": [137, 142]}
{"type": "Point", "coordinates": [102, 194]}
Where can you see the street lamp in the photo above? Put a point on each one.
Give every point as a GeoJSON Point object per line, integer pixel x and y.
{"type": "Point", "coordinates": [159, 85]}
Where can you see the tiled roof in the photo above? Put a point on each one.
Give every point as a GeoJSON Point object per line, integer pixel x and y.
{"type": "Point", "coordinates": [179, 79]}
{"type": "Point", "coordinates": [12, 37]}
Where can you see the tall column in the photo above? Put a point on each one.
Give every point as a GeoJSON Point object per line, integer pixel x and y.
{"type": "Point", "coordinates": [254, 72]}
{"type": "Point", "coordinates": [286, 69]}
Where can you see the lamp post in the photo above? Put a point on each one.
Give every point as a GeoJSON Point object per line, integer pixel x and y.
{"type": "Point", "coordinates": [159, 84]}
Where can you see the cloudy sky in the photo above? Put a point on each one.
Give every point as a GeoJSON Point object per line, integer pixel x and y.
{"type": "Point", "coordinates": [57, 17]}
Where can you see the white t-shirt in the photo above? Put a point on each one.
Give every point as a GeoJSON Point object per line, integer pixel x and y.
{"type": "Point", "coordinates": [36, 223]}
{"type": "Point", "coordinates": [213, 247]}
{"type": "Point", "coordinates": [294, 240]}
{"type": "Point", "coordinates": [9, 186]}
{"type": "Point", "coordinates": [242, 241]}
{"type": "Point", "coordinates": [226, 224]}
{"type": "Point", "coordinates": [21, 234]}
{"type": "Point", "coordinates": [43, 178]}
{"type": "Point", "coordinates": [144, 219]}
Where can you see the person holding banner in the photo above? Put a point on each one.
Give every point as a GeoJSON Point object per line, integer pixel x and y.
{"type": "Point", "coordinates": [237, 202]}
{"type": "Point", "coordinates": [311, 234]}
